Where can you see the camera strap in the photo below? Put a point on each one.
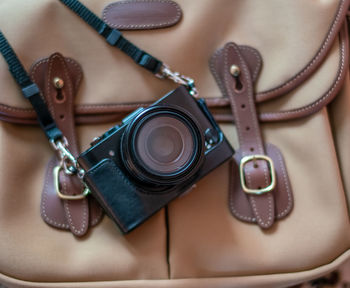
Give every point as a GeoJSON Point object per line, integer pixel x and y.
{"type": "Point", "coordinates": [30, 90]}
{"type": "Point", "coordinates": [115, 38]}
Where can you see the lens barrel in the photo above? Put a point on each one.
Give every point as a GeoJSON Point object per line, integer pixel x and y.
{"type": "Point", "coordinates": [162, 146]}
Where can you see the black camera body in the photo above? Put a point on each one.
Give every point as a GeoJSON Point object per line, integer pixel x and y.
{"type": "Point", "coordinates": [153, 156]}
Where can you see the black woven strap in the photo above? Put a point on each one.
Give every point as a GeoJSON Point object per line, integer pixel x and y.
{"type": "Point", "coordinates": [29, 90]}
{"type": "Point", "coordinates": [114, 37]}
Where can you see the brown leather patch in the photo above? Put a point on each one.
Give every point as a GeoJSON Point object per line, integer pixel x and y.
{"type": "Point", "coordinates": [142, 14]}
{"type": "Point", "coordinates": [240, 205]}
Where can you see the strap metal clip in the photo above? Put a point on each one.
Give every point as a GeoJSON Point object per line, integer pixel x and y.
{"type": "Point", "coordinates": [167, 73]}
{"type": "Point", "coordinates": [70, 166]}
{"type": "Point", "coordinates": [68, 162]}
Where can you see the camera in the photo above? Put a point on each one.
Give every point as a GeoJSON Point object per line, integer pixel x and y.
{"type": "Point", "coordinates": [153, 156]}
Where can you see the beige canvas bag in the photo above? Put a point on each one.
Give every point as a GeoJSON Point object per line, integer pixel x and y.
{"type": "Point", "coordinates": [302, 96]}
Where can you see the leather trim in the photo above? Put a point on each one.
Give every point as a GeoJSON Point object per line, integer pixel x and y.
{"type": "Point", "coordinates": [314, 63]}
{"type": "Point", "coordinates": [239, 202]}
{"type": "Point", "coordinates": [142, 14]}
{"type": "Point", "coordinates": [327, 97]}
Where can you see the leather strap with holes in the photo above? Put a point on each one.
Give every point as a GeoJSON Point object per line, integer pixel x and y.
{"type": "Point", "coordinates": [74, 214]}
{"type": "Point", "coordinates": [241, 95]}
{"type": "Point", "coordinates": [236, 69]}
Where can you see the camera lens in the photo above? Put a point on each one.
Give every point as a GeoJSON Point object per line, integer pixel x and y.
{"type": "Point", "coordinates": [163, 145]}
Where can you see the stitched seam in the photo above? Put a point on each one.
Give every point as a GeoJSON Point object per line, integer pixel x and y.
{"type": "Point", "coordinates": [260, 220]}
{"type": "Point", "coordinates": [258, 58]}
{"type": "Point", "coordinates": [64, 182]}
{"type": "Point", "coordinates": [70, 220]}
{"type": "Point", "coordinates": [216, 75]}
{"type": "Point", "coordinates": [5, 107]}
{"type": "Point", "coordinates": [311, 64]}
{"type": "Point", "coordinates": [97, 218]}
{"type": "Point", "coordinates": [92, 106]}
{"type": "Point", "coordinates": [49, 100]}
{"type": "Point", "coordinates": [43, 203]}
{"type": "Point", "coordinates": [320, 100]}
{"type": "Point", "coordinates": [260, 149]}
{"type": "Point", "coordinates": [232, 203]}
{"type": "Point", "coordinates": [170, 22]}
{"type": "Point", "coordinates": [249, 88]}
{"type": "Point", "coordinates": [67, 202]}
{"type": "Point", "coordinates": [265, 116]}
{"type": "Point", "coordinates": [289, 205]}
{"type": "Point", "coordinates": [43, 206]}
{"type": "Point", "coordinates": [238, 122]}
{"type": "Point", "coordinates": [78, 71]}
{"type": "Point", "coordinates": [252, 107]}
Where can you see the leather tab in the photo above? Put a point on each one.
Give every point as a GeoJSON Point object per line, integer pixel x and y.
{"type": "Point", "coordinates": [240, 91]}
{"type": "Point", "coordinates": [142, 15]}
{"type": "Point", "coordinates": [68, 214]}
{"type": "Point", "coordinates": [240, 204]}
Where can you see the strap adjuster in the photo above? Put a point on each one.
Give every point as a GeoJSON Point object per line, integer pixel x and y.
{"type": "Point", "coordinates": [149, 62]}
{"type": "Point", "coordinates": [113, 37]}
{"type": "Point", "coordinates": [271, 166]}
{"type": "Point", "coordinates": [30, 90]}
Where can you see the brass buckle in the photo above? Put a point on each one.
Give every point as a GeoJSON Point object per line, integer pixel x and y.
{"type": "Point", "coordinates": [260, 191]}
{"type": "Point", "coordinates": [56, 177]}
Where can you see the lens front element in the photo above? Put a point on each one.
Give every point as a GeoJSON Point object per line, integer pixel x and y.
{"type": "Point", "coordinates": [164, 144]}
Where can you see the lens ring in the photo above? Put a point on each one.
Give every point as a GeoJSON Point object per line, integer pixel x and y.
{"type": "Point", "coordinates": [169, 164]}
{"type": "Point", "coordinates": [164, 144]}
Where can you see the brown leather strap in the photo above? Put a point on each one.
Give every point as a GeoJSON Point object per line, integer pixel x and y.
{"type": "Point", "coordinates": [277, 203]}
{"type": "Point", "coordinates": [61, 105]}
{"type": "Point", "coordinates": [240, 91]}
{"type": "Point", "coordinates": [242, 205]}
{"type": "Point", "coordinates": [75, 215]}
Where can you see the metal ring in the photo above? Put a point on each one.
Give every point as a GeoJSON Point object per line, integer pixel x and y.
{"type": "Point", "coordinates": [56, 178]}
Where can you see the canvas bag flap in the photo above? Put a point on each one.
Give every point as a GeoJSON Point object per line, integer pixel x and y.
{"type": "Point", "coordinates": [284, 44]}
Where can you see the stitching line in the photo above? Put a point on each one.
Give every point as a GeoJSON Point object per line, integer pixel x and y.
{"type": "Point", "coordinates": [260, 149]}
{"type": "Point", "coordinates": [50, 167]}
{"type": "Point", "coordinates": [289, 194]}
{"type": "Point", "coordinates": [312, 62]}
{"type": "Point", "coordinates": [275, 115]}
{"type": "Point", "coordinates": [176, 18]}
{"type": "Point", "coordinates": [82, 202]}
{"type": "Point", "coordinates": [44, 198]}
{"type": "Point", "coordinates": [232, 203]}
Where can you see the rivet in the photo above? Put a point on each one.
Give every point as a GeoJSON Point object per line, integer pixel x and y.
{"type": "Point", "coordinates": [58, 82]}
{"type": "Point", "coordinates": [235, 70]}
